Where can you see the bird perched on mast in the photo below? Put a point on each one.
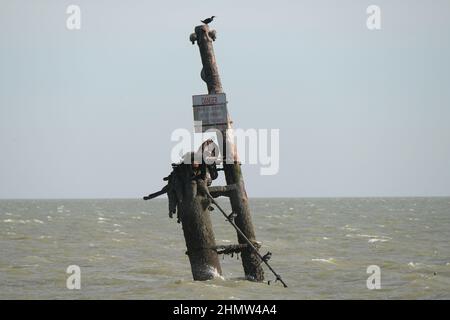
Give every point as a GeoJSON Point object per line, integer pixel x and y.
{"type": "Point", "coordinates": [209, 20]}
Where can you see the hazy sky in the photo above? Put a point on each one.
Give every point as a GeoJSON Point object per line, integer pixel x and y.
{"type": "Point", "coordinates": [89, 113]}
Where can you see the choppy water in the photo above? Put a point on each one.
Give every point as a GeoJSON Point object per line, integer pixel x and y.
{"type": "Point", "coordinates": [130, 249]}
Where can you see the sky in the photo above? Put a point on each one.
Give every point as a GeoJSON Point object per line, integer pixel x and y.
{"type": "Point", "coordinates": [89, 113]}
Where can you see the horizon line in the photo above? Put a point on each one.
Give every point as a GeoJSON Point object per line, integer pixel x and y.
{"type": "Point", "coordinates": [254, 197]}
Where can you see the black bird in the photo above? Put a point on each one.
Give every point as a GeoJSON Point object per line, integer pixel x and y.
{"type": "Point", "coordinates": [206, 21]}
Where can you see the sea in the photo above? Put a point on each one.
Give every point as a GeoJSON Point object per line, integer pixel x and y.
{"type": "Point", "coordinates": [323, 248]}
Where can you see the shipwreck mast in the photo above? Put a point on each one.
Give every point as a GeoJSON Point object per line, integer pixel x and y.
{"type": "Point", "coordinates": [251, 260]}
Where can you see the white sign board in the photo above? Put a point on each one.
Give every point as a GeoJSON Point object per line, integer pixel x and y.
{"type": "Point", "coordinates": [211, 110]}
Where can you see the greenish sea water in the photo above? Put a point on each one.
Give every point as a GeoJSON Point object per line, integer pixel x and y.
{"type": "Point", "coordinates": [130, 249]}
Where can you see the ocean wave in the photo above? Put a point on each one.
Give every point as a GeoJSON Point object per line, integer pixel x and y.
{"type": "Point", "coordinates": [417, 265]}
{"type": "Point", "coordinates": [21, 221]}
{"type": "Point", "coordinates": [348, 228]}
{"type": "Point", "coordinates": [373, 240]}
{"type": "Point", "coordinates": [373, 236]}
{"type": "Point", "coordinates": [329, 260]}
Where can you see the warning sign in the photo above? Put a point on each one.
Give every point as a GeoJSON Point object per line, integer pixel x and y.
{"type": "Point", "coordinates": [211, 110]}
